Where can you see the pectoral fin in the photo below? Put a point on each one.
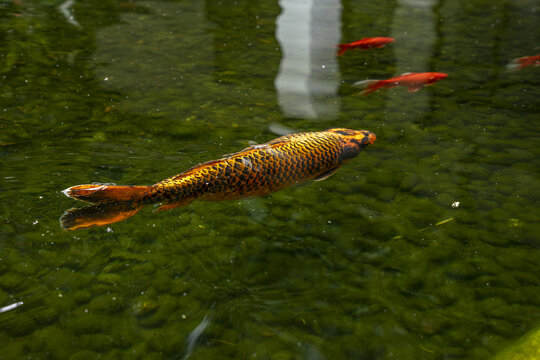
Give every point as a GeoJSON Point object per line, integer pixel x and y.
{"type": "Point", "coordinates": [325, 175]}
{"type": "Point", "coordinates": [414, 89]}
{"type": "Point", "coordinates": [173, 205]}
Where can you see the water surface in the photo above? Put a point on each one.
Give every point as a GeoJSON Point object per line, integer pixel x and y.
{"type": "Point", "coordinates": [425, 246]}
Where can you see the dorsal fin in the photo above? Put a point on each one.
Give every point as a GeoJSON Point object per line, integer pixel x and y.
{"type": "Point", "coordinates": [272, 144]}
{"type": "Point", "coordinates": [193, 169]}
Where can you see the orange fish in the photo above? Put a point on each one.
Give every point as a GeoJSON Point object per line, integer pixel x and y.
{"type": "Point", "coordinates": [365, 43]}
{"type": "Point", "coordinates": [255, 171]}
{"type": "Point", "coordinates": [414, 81]}
{"type": "Point", "coordinates": [522, 62]}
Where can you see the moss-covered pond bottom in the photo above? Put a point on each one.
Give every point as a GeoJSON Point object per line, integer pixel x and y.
{"type": "Point", "coordinates": [425, 246]}
{"type": "Point", "coordinates": [321, 270]}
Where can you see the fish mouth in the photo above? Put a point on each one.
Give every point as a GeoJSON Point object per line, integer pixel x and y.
{"type": "Point", "coordinates": [367, 138]}
{"type": "Point", "coordinates": [371, 138]}
{"type": "Point", "coordinates": [363, 139]}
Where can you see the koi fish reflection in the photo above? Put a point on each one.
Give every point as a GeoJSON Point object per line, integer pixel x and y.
{"type": "Point", "coordinates": [255, 171]}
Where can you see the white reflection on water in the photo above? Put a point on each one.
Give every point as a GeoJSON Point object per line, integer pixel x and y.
{"type": "Point", "coordinates": [308, 32]}
{"type": "Point", "coordinates": [422, 36]}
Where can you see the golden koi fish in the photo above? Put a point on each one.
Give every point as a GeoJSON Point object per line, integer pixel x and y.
{"type": "Point", "coordinates": [255, 171]}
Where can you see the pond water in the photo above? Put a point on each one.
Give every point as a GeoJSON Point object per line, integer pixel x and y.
{"type": "Point", "coordinates": [426, 246]}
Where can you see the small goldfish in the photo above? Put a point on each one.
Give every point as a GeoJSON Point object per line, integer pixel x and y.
{"type": "Point", "coordinates": [522, 62]}
{"type": "Point", "coordinates": [414, 81]}
{"type": "Point", "coordinates": [365, 43]}
{"type": "Point", "coordinates": [255, 171]}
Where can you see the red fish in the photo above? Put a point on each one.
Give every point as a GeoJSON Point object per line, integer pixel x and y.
{"type": "Point", "coordinates": [365, 43]}
{"type": "Point", "coordinates": [522, 62]}
{"type": "Point", "coordinates": [414, 81]}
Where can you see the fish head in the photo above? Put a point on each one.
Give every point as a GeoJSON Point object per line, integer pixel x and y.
{"type": "Point", "coordinates": [434, 77]}
{"type": "Point", "coordinates": [353, 141]}
{"type": "Point", "coordinates": [387, 40]}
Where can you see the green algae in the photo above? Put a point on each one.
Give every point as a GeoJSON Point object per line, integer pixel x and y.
{"type": "Point", "coordinates": [528, 347]}
{"type": "Point", "coordinates": [362, 265]}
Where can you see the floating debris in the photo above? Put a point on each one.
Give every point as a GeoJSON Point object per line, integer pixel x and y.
{"type": "Point", "coordinates": [444, 221]}
{"type": "Point", "coordinates": [397, 237]}
{"type": "Point", "coordinates": [438, 224]}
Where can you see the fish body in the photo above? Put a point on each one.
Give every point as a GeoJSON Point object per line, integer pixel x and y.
{"type": "Point", "coordinates": [365, 43]}
{"type": "Point", "coordinates": [413, 81]}
{"type": "Point", "coordinates": [522, 62]}
{"type": "Point", "coordinates": [255, 171]}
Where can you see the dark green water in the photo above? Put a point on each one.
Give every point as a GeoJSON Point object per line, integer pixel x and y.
{"type": "Point", "coordinates": [373, 263]}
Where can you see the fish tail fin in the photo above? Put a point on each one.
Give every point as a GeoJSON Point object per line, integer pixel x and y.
{"type": "Point", "coordinates": [369, 86]}
{"type": "Point", "coordinates": [97, 215]}
{"type": "Point", "coordinates": [514, 65]}
{"type": "Point", "coordinates": [105, 194]}
{"type": "Point", "coordinates": [342, 49]}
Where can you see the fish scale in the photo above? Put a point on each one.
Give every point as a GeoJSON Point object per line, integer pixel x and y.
{"type": "Point", "coordinates": [255, 171]}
